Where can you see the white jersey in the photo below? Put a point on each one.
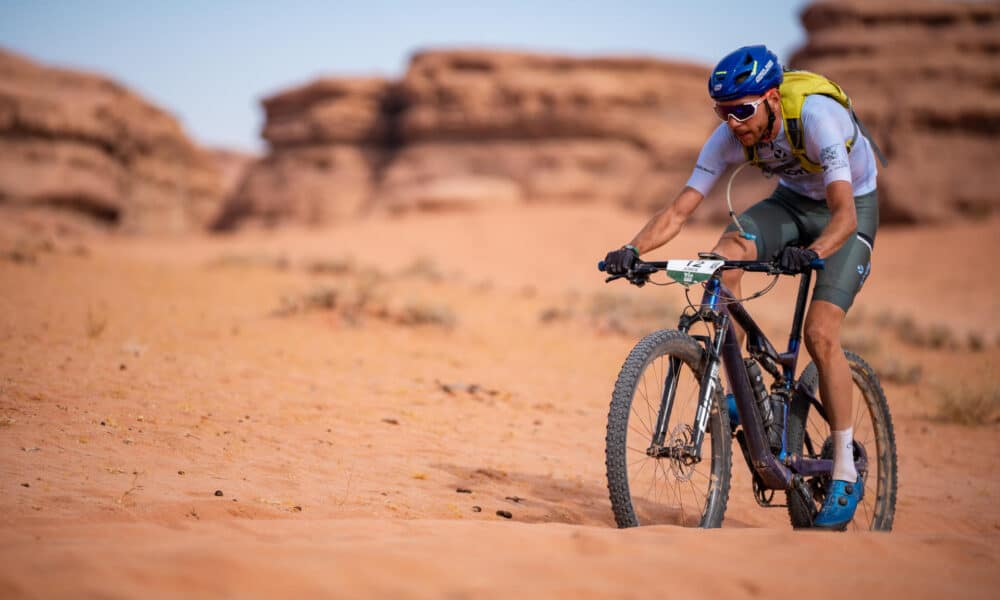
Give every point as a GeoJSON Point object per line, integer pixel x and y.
{"type": "Point", "coordinates": [827, 126]}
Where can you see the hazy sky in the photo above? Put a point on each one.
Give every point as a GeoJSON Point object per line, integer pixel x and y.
{"type": "Point", "coordinates": [209, 62]}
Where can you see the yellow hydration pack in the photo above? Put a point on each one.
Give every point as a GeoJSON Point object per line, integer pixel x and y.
{"type": "Point", "coordinates": [795, 88]}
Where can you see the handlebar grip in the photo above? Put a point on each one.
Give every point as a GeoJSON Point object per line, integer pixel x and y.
{"type": "Point", "coordinates": [819, 264]}
{"type": "Point", "coordinates": [600, 266]}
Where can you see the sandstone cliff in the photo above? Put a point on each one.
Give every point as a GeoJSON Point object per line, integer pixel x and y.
{"type": "Point", "coordinates": [82, 142]}
{"type": "Point", "coordinates": [925, 77]}
{"type": "Point", "coordinates": [467, 127]}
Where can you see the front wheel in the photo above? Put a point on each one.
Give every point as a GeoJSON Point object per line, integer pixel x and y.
{"type": "Point", "coordinates": [645, 489]}
{"type": "Point", "coordinates": [809, 435]}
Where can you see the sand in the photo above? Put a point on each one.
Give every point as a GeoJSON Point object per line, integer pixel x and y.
{"type": "Point", "coordinates": [290, 413]}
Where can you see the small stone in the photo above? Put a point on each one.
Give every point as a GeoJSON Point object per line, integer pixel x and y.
{"type": "Point", "coordinates": [180, 472]}
{"type": "Point", "coordinates": [103, 423]}
{"type": "Point", "coordinates": [390, 421]}
{"type": "Point", "coordinates": [477, 509]}
{"type": "Point", "coordinates": [463, 490]}
{"type": "Point", "coordinates": [218, 492]}
{"type": "Point", "coordinates": [514, 498]}
{"type": "Point", "coordinates": [297, 508]}
{"type": "Point", "coordinates": [121, 367]}
{"type": "Point", "coordinates": [25, 485]}
{"type": "Point", "coordinates": [505, 514]}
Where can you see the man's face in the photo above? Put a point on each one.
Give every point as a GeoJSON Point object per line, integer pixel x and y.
{"type": "Point", "coordinates": [751, 130]}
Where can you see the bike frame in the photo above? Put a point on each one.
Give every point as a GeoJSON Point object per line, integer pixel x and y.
{"type": "Point", "coordinates": [720, 307]}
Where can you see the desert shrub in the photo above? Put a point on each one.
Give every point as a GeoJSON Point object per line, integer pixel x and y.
{"type": "Point", "coordinates": [331, 266]}
{"type": "Point", "coordinates": [864, 344]}
{"type": "Point", "coordinates": [631, 314]}
{"type": "Point", "coordinates": [969, 404]}
{"type": "Point", "coordinates": [243, 261]}
{"type": "Point", "coordinates": [892, 370]}
{"type": "Point", "coordinates": [423, 267]}
{"type": "Point", "coordinates": [96, 322]}
{"type": "Point", "coordinates": [424, 313]}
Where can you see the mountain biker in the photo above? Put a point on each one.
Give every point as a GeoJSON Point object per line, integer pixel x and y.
{"type": "Point", "coordinates": [824, 206]}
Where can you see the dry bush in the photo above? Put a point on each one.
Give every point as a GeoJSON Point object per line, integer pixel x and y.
{"type": "Point", "coordinates": [423, 267]}
{"type": "Point", "coordinates": [424, 313]}
{"type": "Point", "coordinates": [631, 314]}
{"type": "Point", "coordinates": [366, 298]}
{"type": "Point", "coordinates": [934, 336]}
{"type": "Point", "coordinates": [865, 344]}
{"type": "Point", "coordinates": [969, 404]}
{"type": "Point", "coordinates": [244, 261]}
{"type": "Point", "coordinates": [96, 323]}
{"type": "Point", "coordinates": [891, 370]}
{"type": "Point", "coordinates": [332, 266]}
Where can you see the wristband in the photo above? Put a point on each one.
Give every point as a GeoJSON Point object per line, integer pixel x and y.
{"type": "Point", "coordinates": [632, 248]}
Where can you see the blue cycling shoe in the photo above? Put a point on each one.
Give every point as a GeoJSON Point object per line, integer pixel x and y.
{"type": "Point", "coordinates": [840, 504]}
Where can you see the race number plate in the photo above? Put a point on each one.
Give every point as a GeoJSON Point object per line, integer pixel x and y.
{"type": "Point", "coordinates": [689, 272]}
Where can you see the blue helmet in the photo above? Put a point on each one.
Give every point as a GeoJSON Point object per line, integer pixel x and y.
{"type": "Point", "coordinates": [748, 71]}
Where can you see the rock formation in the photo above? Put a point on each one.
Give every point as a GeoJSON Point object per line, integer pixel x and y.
{"type": "Point", "coordinates": [468, 127]}
{"type": "Point", "coordinates": [925, 77]}
{"type": "Point", "coordinates": [82, 142]}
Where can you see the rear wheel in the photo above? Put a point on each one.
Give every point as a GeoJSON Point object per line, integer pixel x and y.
{"type": "Point", "coordinates": [645, 489]}
{"type": "Point", "coordinates": [809, 435]}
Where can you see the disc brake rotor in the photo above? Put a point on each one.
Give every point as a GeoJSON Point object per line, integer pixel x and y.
{"type": "Point", "coordinates": [680, 438]}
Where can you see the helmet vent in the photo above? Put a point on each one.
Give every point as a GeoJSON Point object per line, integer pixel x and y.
{"type": "Point", "coordinates": [741, 78]}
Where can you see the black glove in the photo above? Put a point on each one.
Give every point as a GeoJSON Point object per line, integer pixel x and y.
{"type": "Point", "coordinates": [795, 260]}
{"type": "Point", "coordinates": [618, 262]}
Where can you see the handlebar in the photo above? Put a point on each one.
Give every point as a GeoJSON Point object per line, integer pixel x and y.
{"type": "Point", "coordinates": [641, 270]}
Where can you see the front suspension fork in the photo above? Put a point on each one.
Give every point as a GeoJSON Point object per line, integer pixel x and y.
{"type": "Point", "coordinates": [709, 382]}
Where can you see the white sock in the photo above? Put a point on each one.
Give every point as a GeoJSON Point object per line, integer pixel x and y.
{"type": "Point", "coordinates": [843, 455]}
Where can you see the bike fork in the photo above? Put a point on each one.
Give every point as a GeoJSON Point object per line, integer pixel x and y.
{"type": "Point", "coordinates": [709, 381]}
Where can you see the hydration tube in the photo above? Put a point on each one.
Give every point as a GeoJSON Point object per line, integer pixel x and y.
{"type": "Point", "coordinates": [729, 203]}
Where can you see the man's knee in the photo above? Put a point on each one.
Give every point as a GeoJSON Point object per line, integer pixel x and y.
{"type": "Point", "coordinates": [822, 331]}
{"type": "Point", "coordinates": [733, 247]}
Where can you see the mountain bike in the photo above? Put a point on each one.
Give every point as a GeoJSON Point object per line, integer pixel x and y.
{"type": "Point", "coordinates": [668, 400]}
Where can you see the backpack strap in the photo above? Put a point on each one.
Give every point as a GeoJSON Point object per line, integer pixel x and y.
{"type": "Point", "coordinates": [871, 140]}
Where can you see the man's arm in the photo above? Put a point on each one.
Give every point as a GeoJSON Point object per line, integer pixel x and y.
{"type": "Point", "coordinates": [843, 219]}
{"type": "Point", "coordinates": [667, 222]}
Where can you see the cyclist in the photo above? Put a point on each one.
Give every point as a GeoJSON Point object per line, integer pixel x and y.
{"type": "Point", "coordinates": [824, 206]}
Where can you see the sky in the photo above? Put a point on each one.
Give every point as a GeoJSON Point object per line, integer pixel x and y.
{"type": "Point", "coordinates": [210, 62]}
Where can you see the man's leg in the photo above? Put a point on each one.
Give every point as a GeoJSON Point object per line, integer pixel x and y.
{"type": "Point", "coordinates": [733, 247]}
{"type": "Point", "coordinates": [822, 333]}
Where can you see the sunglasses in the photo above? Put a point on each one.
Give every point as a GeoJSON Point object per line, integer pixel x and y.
{"type": "Point", "coordinates": [740, 112]}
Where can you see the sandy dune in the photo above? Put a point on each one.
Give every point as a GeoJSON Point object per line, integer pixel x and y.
{"type": "Point", "coordinates": [215, 416]}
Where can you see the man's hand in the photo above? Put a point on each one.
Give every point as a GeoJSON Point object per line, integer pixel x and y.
{"type": "Point", "coordinates": [618, 262]}
{"type": "Point", "coordinates": [795, 260]}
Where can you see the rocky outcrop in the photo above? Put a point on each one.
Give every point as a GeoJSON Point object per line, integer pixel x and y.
{"type": "Point", "coordinates": [326, 140]}
{"type": "Point", "coordinates": [85, 143]}
{"type": "Point", "coordinates": [467, 128]}
{"type": "Point", "coordinates": [925, 77]}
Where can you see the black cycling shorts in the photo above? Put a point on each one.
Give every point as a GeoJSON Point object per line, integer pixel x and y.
{"type": "Point", "coordinates": [789, 218]}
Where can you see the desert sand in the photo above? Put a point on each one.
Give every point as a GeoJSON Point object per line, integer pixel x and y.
{"type": "Point", "coordinates": [291, 413]}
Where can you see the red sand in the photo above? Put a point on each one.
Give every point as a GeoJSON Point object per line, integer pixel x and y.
{"type": "Point", "coordinates": [138, 377]}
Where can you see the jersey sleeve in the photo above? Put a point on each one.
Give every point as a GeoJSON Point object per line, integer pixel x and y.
{"type": "Point", "coordinates": [828, 126]}
{"type": "Point", "coordinates": [720, 151]}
